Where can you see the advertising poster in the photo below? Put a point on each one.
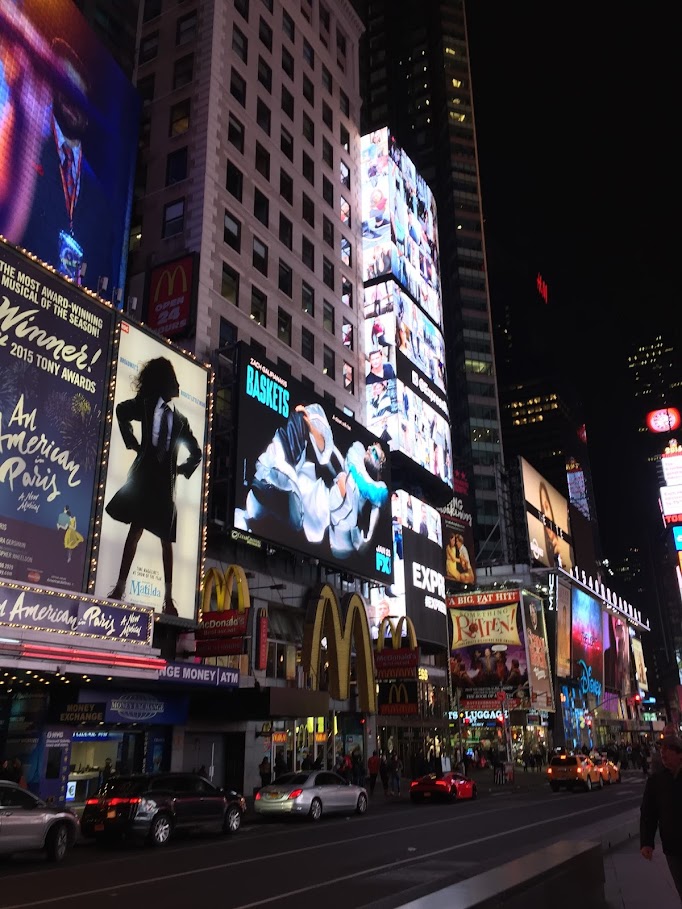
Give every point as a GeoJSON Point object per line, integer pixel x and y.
{"type": "Point", "coordinates": [616, 653]}
{"type": "Point", "coordinates": [55, 348]}
{"type": "Point", "coordinates": [563, 631]}
{"type": "Point", "coordinates": [547, 518]}
{"type": "Point", "coordinates": [171, 297]}
{"type": "Point", "coordinates": [487, 649]}
{"type": "Point", "coordinates": [540, 684]}
{"type": "Point", "coordinates": [587, 646]}
{"type": "Point", "coordinates": [68, 142]}
{"type": "Point", "coordinates": [308, 477]}
{"type": "Point", "coordinates": [640, 665]}
{"type": "Point", "coordinates": [154, 493]}
{"type": "Point", "coordinates": [418, 588]}
{"type": "Point", "coordinates": [458, 533]}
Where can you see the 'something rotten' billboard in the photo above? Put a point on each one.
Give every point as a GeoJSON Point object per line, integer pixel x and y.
{"type": "Point", "coordinates": [68, 138]}
{"type": "Point", "coordinates": [308, 477]}
{"type": "Point", "coordinates": [487, 650]}
{"type": "Point", "coordinates": [54, 359]}
{"type": "Point", "coordinates": [587, 646]}
{"type": "Point", "coordinates": [153, 497]}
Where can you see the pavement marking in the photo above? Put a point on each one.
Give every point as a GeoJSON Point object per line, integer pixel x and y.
{"type": "Point", "coordinates": [271, 899]}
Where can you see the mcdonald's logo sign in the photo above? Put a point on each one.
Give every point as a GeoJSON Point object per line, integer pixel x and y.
{"type": "Point", "coordinates": [398, 698]}
{"type": "Point", "coordinates": [222, 620]}
{"type": "Point", "coordinates": [396, 631]}
{"type": "Point", "coordinates": [170, 294]}
{"type": "Point", "coordinates": [398, 662]}
{"type": "Point", "coordinates": [324, 620]}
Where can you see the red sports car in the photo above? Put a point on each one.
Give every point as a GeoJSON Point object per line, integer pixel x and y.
{"type": "Point", "coordinates": [452, 786]}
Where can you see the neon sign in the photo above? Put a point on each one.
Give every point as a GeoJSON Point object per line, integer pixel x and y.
{"type": "Point", "coordinates": [588, 684]}
{"type": "Point", "coordinates": [541, 285]}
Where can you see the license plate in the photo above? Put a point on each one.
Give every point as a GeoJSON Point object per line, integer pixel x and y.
{"type": "Point", "coordinates": [111, 813]}
{"type": "Point", "coordinates": [99, 827]}
{"type": "Point", "coordinates": [273, 795]}
{"type": "Point", "coordinates": [427, 795]}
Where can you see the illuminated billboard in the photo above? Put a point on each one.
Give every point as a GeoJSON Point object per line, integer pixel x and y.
{"type": "Point", "coordinates": [418, 588]}
{"type": "Point", "coordinates": [68, 141]}
{"type": "Point", "coordinates": [587, 643]}
{"type": "Point", "coordinates": [458, 533]}
{"type": "Point", "coordinates": [540, 682]}
{"type": "Point", "coordinates": [671, 500]}
{"type": "Point", "coordinates": [55, 350]}
{"type": "Point", "coordinates": [666, 419]}
{"type": "Point", "coordinates": [547, 520]}
{"type": "Point", "coordinates": [640, 665]}
{"type": "Point", "coordinates": [616, 652]}
{"type": "Point", "coordinates": [171, 297]}
{"type": "Point", "coordinates": [563, 631]}
{"type": "Point", "coordinates": [308, 477]}
{"type": "Point", "coordinates": [399, 224]}
{"type": "Point", "coordinates": [150, 545]}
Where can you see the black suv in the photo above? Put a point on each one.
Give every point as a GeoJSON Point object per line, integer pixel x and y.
{"type": "Point", "coordinates": [156, 806]}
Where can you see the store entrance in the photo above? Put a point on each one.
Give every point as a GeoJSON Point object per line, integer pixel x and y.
{"type": "Point", "coordinates": [96, 755]}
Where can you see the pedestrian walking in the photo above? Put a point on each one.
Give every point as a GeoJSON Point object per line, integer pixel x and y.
{"type": "Point", "coordinates": [373, 766]}
{"type": "Point", "coordinates": [661, 809]}
{"type": "Point", "coordinates": [265, 771]}
{"type": "Point", "coordinates": [396, 771]}
{"type": "Point", "coordinates": [384, 774]}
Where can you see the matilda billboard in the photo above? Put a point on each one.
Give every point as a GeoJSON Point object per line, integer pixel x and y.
{"type": "Point", "coordinates": [540, 684]}
{"type": "Point", "coordinates": [55, 349]}
{"type": "Point", "coordinates": [152, 522]}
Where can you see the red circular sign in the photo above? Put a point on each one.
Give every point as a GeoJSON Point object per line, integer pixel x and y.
{"type": "Point", "coordinates": [501, 696]}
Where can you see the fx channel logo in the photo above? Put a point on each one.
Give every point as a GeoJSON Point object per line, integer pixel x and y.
{"type": "Point", "coordinates": [382, 560]}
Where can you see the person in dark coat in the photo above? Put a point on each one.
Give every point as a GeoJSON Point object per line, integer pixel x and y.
{"type": "Point", "coordinates": [147, 499]}
{"type": "Point", "coordinates": [661, 809]}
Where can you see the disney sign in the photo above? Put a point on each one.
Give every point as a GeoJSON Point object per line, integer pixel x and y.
{"type": "Point", "coordinates": [588, 684]}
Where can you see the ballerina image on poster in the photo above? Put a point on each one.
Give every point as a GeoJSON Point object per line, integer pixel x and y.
{"type": "Point", "coordinates": [146, 501]}
{"type": "Point", "coordinates": [72, 538]}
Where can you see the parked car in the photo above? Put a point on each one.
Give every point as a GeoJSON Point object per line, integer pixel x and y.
{"type": "Point", "coordinates": [570, 771]}
{"type": "Point", "coordinates": [310, 794]}
{"type": "Point", "coordinates": [452, 786]}
{"type": "Point", "coordinates": [157, 806]}
{"type": "Point", "coordinates": [28, 823]}
{"type": "Point", "coordinates": [609, 771]}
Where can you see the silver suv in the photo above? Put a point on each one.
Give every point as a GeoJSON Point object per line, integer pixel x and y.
{"type": "Point", "coordinates": [27, 823]}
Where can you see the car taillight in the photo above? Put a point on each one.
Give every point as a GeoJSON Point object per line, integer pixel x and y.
{"type": "Point", "coordinates": [92, 802]}
{"type": "Point", "coordinates": [580, 769]}
{"type": "Point", "coordinates": [549, 771]}
{"type": "Point", "coordinates": [294, 794]}
{"type": "Point", "coordinates": [414, 783]}
{"type": "Point", "coordinates": [112, 803]}
{"type": "Point", "coordinates": [257, 799]}
{"type": "Point", "coordinates": [442, 783]}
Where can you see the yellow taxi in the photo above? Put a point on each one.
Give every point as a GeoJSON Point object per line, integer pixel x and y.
{"type": "Point", "coordinates": [569, 771]}
{"type": "Point", "coordinates": [609, 771]}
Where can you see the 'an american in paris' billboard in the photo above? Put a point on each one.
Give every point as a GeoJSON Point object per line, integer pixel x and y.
{"type": "Point", "coordinates": [587, 643]}
{"type": "Point", "coordinates": [55, 350]}
{"type": "Point", "coordinates": [547, 519]}
{"type": "Point", "coordinates": [418, 588]}
{"type": "Point", "coordinates": [68, 141]}
{"type": "Point", "coordinates": [308, 477]}
{"type": "Point", "coordinates": [153, 498]}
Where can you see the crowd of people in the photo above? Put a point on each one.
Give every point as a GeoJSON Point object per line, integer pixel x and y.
{"type": "Point", "coordinates": [13, 771]}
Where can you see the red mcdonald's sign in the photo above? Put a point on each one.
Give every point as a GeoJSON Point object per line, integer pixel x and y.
{"type": "Point", "coordinates": [169, 301]}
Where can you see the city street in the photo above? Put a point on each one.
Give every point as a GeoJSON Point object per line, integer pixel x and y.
{"type": "Point", "coordinates": [338, 862]}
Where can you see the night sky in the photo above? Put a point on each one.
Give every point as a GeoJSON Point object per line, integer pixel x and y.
{"type": "Point", "coordinates": [575, 114]}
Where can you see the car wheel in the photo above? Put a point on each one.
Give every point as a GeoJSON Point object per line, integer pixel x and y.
{"type": "Point", "coordinates": [453, 794]}
{"type": "Point", "coordinates": [233, 819]}
{"type": "Point", "coordinates": [315, 812]}
{"type": "Point", "coordinates": [160, 831]}
{"type": "Point", "coordinates": [57, 843]}
{"type": "Point", "coordinates": [588, 784]}
{"type": "Point", "coordinates": [361, 806]}
{"type": "Point", "coordinates": [474, 792]}
{"type": "Point", "coordinates": [554, 787]}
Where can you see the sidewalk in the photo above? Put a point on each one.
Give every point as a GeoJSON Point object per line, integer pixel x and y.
{"type": "Point", "coordinates": [633, 883]}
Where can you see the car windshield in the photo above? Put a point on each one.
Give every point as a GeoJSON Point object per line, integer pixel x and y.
{"type": "Point", "coordinates": [123, 787]}
{"type": "Point", "coordinates": [296, 779]}
{"type": "Point", "coordinates": [564, 761]}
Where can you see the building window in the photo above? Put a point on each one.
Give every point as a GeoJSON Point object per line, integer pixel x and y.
{"type": "Point", "coordinates": [173, 218]}
{"type": "Point", "coordinates": [228, 333]}
{"type": "Point", "coordinates": [238, 87]}
{"type": "Point", "coordinates": [260, 256]}
{"type": "Point", "coordinates": [286, 143]}
{"type": "Point", "coordinates": [308, 253]}
{"type": "Point", "coordinates": [328, 317]}
{"type": "Point", "coordinates": [179, 118]}
{"type": "Point", "coordinates": [183, 71]}
{"type": "Point", "coordinates": [176, 166]}
{"type": "Point", "coordinates": [308, 54]}
{"type": "Point", "coordinates": [234, 182]}
{"type": "Point", "coordinates": [307, 382]}
{"type": "Point", "coordinates": [229, 284]}
{"type": "Point", "coordinates": [149, 47]}
{"type": "Point", "coordinates": [346, 252]}
{"type": "Point", "coordinates": [262, 161]}
{"type": "Point", "coordinates": [308, 129]}
{"type": "Point", "coordinates": [308, 345]}
{"type": "Point", "coordinates": [288, 63]}
{"type": "Point", "coordinates": [145, 89]}
{"type": "Point", "coordinates": [287, 103]}
{"type": "Point", "coordinates": [308, 169]}
{"type": "Point", "coordinates": [286, 231]}
{"type": "Point", "coordinates": [264, 74]}
{"type": "Point", "coordinates": [328, 362]}
{"type": "Point", "coordinates": [327, 116]}
{"type": "Point", "coordinates": [324, 21]}
{"type": "Point", "coordinates": [344, 137]}
{"type": "Point", "coordinates": [285, 281]}
{"type": "Point", "coordinates": [268, 5]}
{"type": "Point", "coordinates": [348, 377]}
{"type": "Point", "coordinates": [242, 7]}
{"type": "Point", "coordinates": [263, 116]}
{"type": "Point", "coordinates": [265, 33]}
{"type": "Point", "coordinates": [308, 209]}
{"type": "Point", "coordinates": [327, 231]}
{"type": "Point", "coordinates": [308, 90]}
{"type": "Point", "coordinates": [240, 44]}
{"type": "Point", "coordinates": [344, 103]}
{"type": "Point", "coordinates": [327, 152]}
{"type": "Point", "coordinates": [328, 191]}
{"type": "Point", "coordinates": [261, 207]}
{"type": "Point", "coordinates": [152, 9]}
{"type": "Point", "coordinates": [186, 29]}
{"type": "Point", "coordinates": [341, 49]}
{"type": "Point", "coordinates": [286, 187]}
{"type": "Point", "coordinates": [232, 231]}
{"type": "Point", "coordinates": [327, 272]}
{"type": "Point", "coordinates": [288, 26]}
{"type": "Point", "coordinates": [235, 133]}
{"type": "Point", "coordinates": [135, 238]}
{"type": "Point", "coordinates": [307, 299]}
{"type": "Point", "coordinates": [327, 79]}
{"type": "Point", "coordinates": [344, 210]}
{"type": "Point", "coordinates": [284, 326]}
{"type": "Point", "coordinates": [344, 174]}
{"type": "Point", "coordinates": [307, 9]}
{"type": "Point", "coordinates": [259, 307]}
{"type": "Point", "coordinates": [347, 335]}
{"type": "Point", "coordinates": [346, 292]}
